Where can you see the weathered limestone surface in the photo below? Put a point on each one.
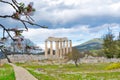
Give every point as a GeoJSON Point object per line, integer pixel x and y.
{"type": "Point", "coordinates": [62, 46]}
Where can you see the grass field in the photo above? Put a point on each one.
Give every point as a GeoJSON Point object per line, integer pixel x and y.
{"type": "Point", "coordinates": [6, 72]}
{"type": "Point", "coordinates": [70, 72]}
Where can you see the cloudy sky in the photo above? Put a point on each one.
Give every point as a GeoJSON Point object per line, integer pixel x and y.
{"type": "Point", "coordinates": [79, 20]}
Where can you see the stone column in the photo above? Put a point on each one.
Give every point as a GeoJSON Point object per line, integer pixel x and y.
{"type": "Point", "coordinates": [64, 48]}
{"type": "Point", "coordinates": [70, 45]}
{"type": "Point", "coordinates": [51, 49]}
{"type": "Point", "coordinates": [67, 46]}
{"type": "Point", "coordinates": [46, 50]}
{"type": "Point", "coordinates": [60, 49]}
{"type": "Point", "coordinates": [57, 49]}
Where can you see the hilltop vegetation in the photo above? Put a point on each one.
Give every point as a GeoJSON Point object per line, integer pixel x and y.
{"type": "Point", "coordinates": [111, 45]}
{"type": "Point", "coordinates": [94, 44]}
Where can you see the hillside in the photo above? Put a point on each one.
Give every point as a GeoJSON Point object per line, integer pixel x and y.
{"type": "Point", "coordinates": [94, 44]}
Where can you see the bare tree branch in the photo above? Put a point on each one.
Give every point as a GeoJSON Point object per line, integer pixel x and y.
{"type": "Point", "coordinates": [7, 31]}
{"type": "Point", "coordinates": [23, 21]}
{"type": "Point", "coordinates": [24, 25]}
{"type": "Point", "coordinates": [3, 32]}
{"type": "Point", "coordinates": [32, 23]}
{"type": "Point", "coordinates": [31, 18]}
{"type": "Point", "coordinates": [10, 4]}
{"type": "Point", "coordinates": [5, 16]}
{"type": "Point", "coordinates": [15, 3]}
{"type": "Point", "coordinates": [19, 11]}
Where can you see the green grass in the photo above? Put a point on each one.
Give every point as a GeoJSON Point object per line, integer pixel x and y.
{"type": "Point", "coordinates": [70, 72]}
{"type": "Point", "coordinates": [6, 72]}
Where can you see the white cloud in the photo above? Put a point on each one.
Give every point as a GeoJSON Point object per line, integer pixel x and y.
{"type": "Point", "coordinates": [77, 9]}
{"type": "Point", "coordinates": [75, 33]}
{"type": "Point", "coordinates": [63, 11]}
{"type": "Point", "coordinates": [78, 34]}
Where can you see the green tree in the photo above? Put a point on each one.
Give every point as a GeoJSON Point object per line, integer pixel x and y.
{"type": "Point", "coordinates": [109, 44]}
{"type": "Point", "coordinates": [118, 46]}
{"type": "Point", "coordinates": [75, 56]}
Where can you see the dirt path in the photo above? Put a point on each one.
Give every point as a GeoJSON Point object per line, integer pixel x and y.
{"type": "Point", "coordinates": [22, 74]}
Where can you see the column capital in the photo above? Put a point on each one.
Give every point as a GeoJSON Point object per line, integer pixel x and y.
{"type": "Point", "coordinates": [67, 40]}
{"type": "Point", "coordinates": [56, 41]}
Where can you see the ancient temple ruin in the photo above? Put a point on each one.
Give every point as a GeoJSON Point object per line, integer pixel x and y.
{"type": "Point", "coordinates": [62, 47]}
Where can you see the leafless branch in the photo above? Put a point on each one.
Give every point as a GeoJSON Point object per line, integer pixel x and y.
{"type": "Point", "coordinates": [9, 4]}
{"type": "Point", "coordinates": [31, 18]}
{"type": "Point", "coordinates": [6, 31]}
{"type": "Point", "coordinates": [24, 24]}
{"type": "Point", "coordinates": [15, 3]}
{"type": "Point", "coordinates": [32, 23]}
{"type": "Point", "coordinates": [5, 16]}
{"type": "Point", "coordinates": [19, 11]}
{"type": "Point", "coordinates": [23, 21]}
{"type": "Point", "coordinates": [3, 32]}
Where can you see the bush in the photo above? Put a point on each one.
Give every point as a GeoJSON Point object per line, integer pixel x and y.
{"type": "Point", "coordinates": [113, 66]}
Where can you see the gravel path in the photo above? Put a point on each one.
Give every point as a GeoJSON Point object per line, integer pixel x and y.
{"type": "Point", "coordinates": [22, 74]}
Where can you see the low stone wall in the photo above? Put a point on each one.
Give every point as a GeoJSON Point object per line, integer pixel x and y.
{"type": "Point", "coordinates": [29, 58]}
{"type": "Point", "coordinates": [98, 60]}
{"type": "Point", "coordinates": [24, 58]}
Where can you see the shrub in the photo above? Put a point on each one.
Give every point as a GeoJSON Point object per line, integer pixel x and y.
{"type": "Point", "coordinates": [113, 66]}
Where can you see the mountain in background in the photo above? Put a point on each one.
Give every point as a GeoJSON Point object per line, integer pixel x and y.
{"type": "Point", "coordinates": [94, 44]}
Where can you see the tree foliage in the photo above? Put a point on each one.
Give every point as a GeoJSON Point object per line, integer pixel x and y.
{"type": "Point", "coordinates": [75, 56]}
{"type": "Point", "coordinates": [118, 46]}
{"type": "Point", "coordinates": [111, 46]}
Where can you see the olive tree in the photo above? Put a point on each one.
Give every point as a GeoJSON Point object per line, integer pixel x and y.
{"type": "Point", "coordinates": [75, 56]}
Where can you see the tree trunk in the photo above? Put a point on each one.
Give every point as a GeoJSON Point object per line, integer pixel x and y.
{"type": "Point", "coordinates": [6, 56]}
{"type": "Point", "coordinates": [76, 63]}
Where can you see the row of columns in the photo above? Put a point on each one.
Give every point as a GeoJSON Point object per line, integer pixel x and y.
{"type": "Point", "coordinates": [61, 48]}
